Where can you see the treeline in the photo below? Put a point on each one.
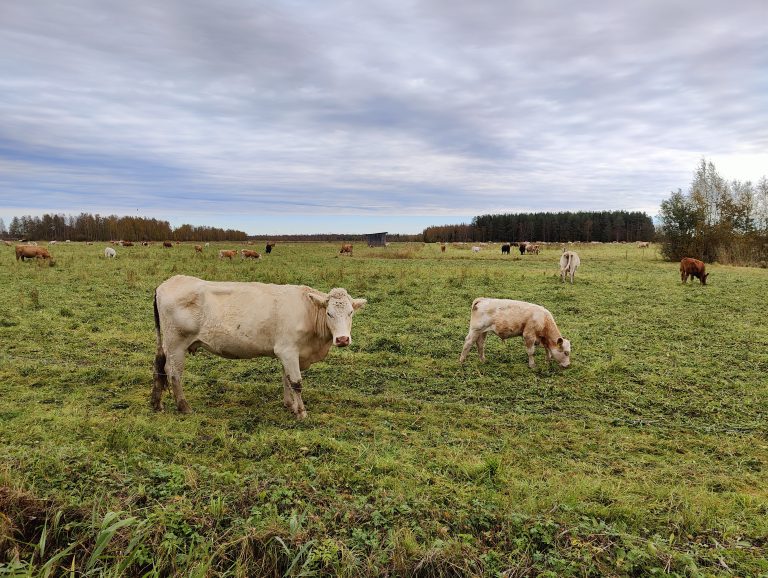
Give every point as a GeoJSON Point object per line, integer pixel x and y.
{"type": "Point", "coordinates": [717, 220]}
{"type": "Point", "coordinates": [334, 237]}
{"type": "Point", "coordinates": [87, 227]}
{"type": "Point", "coordinates": [584, 226]}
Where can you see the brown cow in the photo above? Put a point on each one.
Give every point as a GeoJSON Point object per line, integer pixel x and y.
{"type": "Point", "coordinates": [8, 243]}
{"type": "Point", "coordinates": [227, 254]}
{"type": "Point", "coordinates": [168, 244]}
{"type": "Point", "coordinates": [126, 243]}
{"type": "Point", "coordinates": [246, 254]}
{"type": "Point", "coordinates": [25, 252]}
{"type": "Point", "coordinates": [531, 248]}
{"type": "Point", "coordinates": [198, 248]}
{"type": "Point", "coordinates": [346, 248]}
{"type": "Point", "coordinates": [442, 247]}
{"type": "Point", "coordinates": [693, 268]}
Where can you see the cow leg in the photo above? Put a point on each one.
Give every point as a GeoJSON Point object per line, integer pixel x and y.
{"type": "Point", "coordinates": [174, 367]}
{"type": "Point", "coordinates": [292, 372]}
{"type": "Point", "coordinates": [481, 345]}
{"type": "Point", "coordinates": [572, 274]}
{"type": "Point", "coordinates": [160, 380]}
{"type": "Point", "coordinates": [530, 348]}
{"type": "Point", "coordinates": [472, 336]}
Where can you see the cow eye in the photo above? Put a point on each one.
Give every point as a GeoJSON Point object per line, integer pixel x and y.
{"type": "Point", "coordinates": [567, 353]}
{"type": "Point", "coordinates": [330, 315]}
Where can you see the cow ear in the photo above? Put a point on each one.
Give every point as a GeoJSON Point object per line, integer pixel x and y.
{"type": "Point", "coordinates": [358, 303]}
{"type": "Point", "coordinates": [320, 299]}
{"type": "Point", "coordinates": [560, 342]}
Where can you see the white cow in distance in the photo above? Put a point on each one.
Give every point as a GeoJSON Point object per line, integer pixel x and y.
{"type": "Point", "coordinates": [569, 261]}
{"type": "Point", "coordinates": [110, 253]}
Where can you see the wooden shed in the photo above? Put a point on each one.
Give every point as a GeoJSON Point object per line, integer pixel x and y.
{"type": "Point", "coordinates": [376, 239]}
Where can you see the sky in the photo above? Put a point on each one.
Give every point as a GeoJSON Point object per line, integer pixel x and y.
{"type": "Point", "coordinates": [339, 116]}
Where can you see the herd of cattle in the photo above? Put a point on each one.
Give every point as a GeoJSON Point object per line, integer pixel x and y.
{"type": "Point", "coordinates": [298, 325]}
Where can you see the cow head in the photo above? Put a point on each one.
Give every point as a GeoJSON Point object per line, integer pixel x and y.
{"type": "Point", "coordinates": [561, 351]}
{"type": "Point", "coordinates": [704, 278]}
{"type": "Point", "coordinates": [339, 308]}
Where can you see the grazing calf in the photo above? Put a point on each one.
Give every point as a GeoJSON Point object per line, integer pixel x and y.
{"type": "Point", "coordinates": [167, 244]}
{"type": "Point", "coordinates": [296, 324]}
{"type": "Point", "coordinates": [246, 254]}
{"type": "Point", "coordinates": [475, 249]}
{"type": "Point", "coordinates": [110, 253]}
{"type": "Point", "coordinates": [693, 268]}
{"type": "Point", "coordinates": [25, 252]}
{"type": "Point", "coordinates": [198, 248]}
{"type": "Point", "coordinates": [346, 249]}
{"type": "Point", "coordinates": [569, 261]}
{"type": "Point", "coordinates": [508, 318]}
{"type": "Point", "coordinates": [227, 254]}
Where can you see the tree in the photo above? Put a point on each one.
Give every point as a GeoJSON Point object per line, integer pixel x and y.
{"type": "Point", "coordinates": [3, 231]}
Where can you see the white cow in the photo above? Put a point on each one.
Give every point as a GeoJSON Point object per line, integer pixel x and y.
{"type": "Point", "coordinates": [475, 249]}
{"type": "Point", "coordinates": [109, 252]}
{"type": "Point", "coordinates": [294, 323]}
{"type": "Point", "coordinates": [569, 261]}
{"type": "Point", "coordinates": [508, 318]}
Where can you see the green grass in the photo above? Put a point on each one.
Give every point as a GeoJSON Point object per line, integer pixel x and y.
{"type": "Point", "coordinates": [648, 455]}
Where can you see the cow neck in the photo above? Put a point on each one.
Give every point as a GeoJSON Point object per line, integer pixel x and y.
{"type": "Point", "coordinates": [321, 326]}
{"type": "Point", "coordinates": [550, 334]}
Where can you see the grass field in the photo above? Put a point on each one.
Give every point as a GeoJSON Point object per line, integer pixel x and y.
{"type": "Point", "coordinates": [648, 455]}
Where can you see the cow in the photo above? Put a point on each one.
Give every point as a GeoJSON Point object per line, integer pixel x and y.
{"type": "Point", "coordinates": [508, 318]}
{"type": "Point", "coordinates": [89, 242]}
{"type": "Point", "coordinates": [268, 248]}
{"type": "Point", "coordinates": [25, 252]}
{"type": "Point", "coordinates": [693, 268]}
{"type": "Point", "coordinates": [110, 253]}
{"type": "Point", "coordinates": [475, 249]}
{"type": "Point", "coordinates": [198, 248]}
{"type": "Point", "coordinates": [207, 244]}
{"type": "Point", "coordinates": [145, 243]}
{"type": "Point", "coordinates": [246, 254]}
{"type": "Point", "coordinates": [227, 254]}
{"type": "Point", "coordinates": [569, 261]}
{"type": "Point", "coordinates": [442, 247]}
{"type": "Point", "coordinates": [643, 244]}
{"type": "Point", "coordinates": [294, 323]}
{"type": "Point", "coordinates": [522, 247]}
{"type": "Point", "coordinates": [346, 249]}
{"type": "Point", "coordinates": [167, 244]}
{"type": "Point", "coordinates": [505, 249]}
{"type": "Point", "coordinates": [126, 243]}
{"type": "Point", "coordinates": [532, 248]}
{"type": "Point", "coordinates": [7, 243]}
{"type": "Point", "coordinates": [52, 242]}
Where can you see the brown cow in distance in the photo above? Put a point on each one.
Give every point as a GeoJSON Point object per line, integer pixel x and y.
{"type": "Point", "coordinates": [168, 244]}
{"type": "Point", "coordinates": [246, 254]}
{"type": "Point", "coordinates": [346, 249]}
{"type": "Point", "coordinates": [24, 252]}
{"type": "Point", "coordinates": [693, 268]}
{"type": "Point", "coordinates": [198, 248]}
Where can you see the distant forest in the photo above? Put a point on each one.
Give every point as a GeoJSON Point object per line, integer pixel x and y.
{"type": "Point", "coordinates": [87, 227]}
{"type": "Point", "coordinates": [585, 226]}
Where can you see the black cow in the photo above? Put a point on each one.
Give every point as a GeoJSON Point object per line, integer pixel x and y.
{"type": "Point", "coordinates": [505, 249]}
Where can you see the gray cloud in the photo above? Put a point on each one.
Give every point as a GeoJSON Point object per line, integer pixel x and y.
{"type": "Point", "coordinates": [352, 108]}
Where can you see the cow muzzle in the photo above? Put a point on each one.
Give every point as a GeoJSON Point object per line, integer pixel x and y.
{"type": "Point", "coordinates": [342, 341]}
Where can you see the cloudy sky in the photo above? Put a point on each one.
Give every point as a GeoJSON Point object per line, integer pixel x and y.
{"type": "Point", "coordinates": [316, 116]}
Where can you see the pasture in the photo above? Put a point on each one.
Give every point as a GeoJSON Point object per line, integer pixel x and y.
{"type": "Point", "coordinates": [648, 455]}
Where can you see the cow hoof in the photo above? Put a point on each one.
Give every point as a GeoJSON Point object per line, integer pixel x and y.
{"type": "Point", "coordinates": [301, 415]}
{"type": "Point", "coordinates": [184, 407]}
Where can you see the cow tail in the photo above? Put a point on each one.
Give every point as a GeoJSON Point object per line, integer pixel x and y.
{"type": "Point", "coordinates": [161, 379]}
